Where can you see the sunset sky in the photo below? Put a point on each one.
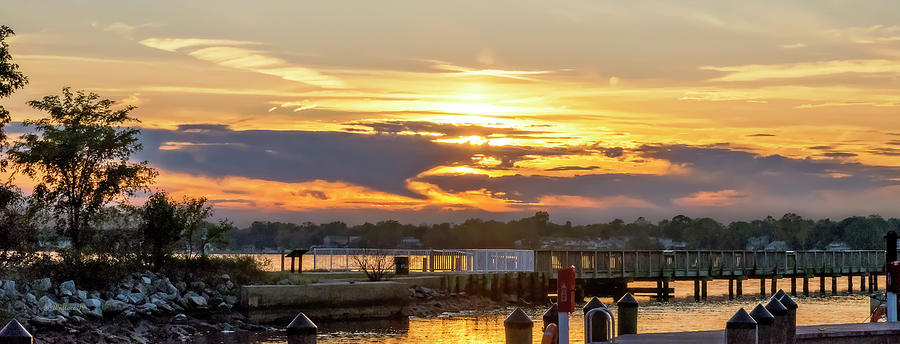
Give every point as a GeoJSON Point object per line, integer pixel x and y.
{"type": "Point", "coordinates": [430, 111]}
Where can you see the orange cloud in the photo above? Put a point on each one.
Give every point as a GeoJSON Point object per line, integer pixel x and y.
{"type": "Point", "coordinates": [719, 198]}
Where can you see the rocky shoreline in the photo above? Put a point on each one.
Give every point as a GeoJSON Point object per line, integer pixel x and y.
{"type": "Point", "coordinates": [142, 308]}
{"type": "Point", "coordinates": [149, 308]}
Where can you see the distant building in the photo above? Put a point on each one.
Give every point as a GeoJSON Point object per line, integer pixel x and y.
{"type": "Point", "coordinates": [837, 246]}
{"type": "Point", "coordinates": [777, 246]}
{"type": "Point", "coordinates": [410, 242]}
{"type": "Point", "coordinates": [340, 240]}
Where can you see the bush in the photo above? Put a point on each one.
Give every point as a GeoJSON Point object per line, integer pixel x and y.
{"type": "Point", "coordinates": [242, 269]}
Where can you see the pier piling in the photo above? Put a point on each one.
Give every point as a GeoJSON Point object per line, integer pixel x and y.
{"type": "Point", "coordinates": [730, 289]}
{"type": "Point", "coordinates": [628, 314]}
{"type": "Point", "coordinates": [822, 285]}
{"type": "Point", "coordinates": [301, 330]}
{"type": "Point", "coordinates": [762, 287]}
{"type": "Point", "coordinates": [740, 291]}
{"type": "Point", "coordinates": [849, 284]}
{"type": "Point", "coordinates": [790, 331]}
{"type": "Point", "coordinates": [781, 321]}
{"type": "Point", "coordinates": [764, 326]}
{"type": "Point", "coordinates": [805, 285]}
{"type": "Point", "coordinates": [14, 333]}
{"type": "Point", "coordinates": [697, 290]}
{"type": "Point", "coordinates": [518, 327]}
{"type": "Point", "coordinates": [833, 285]}
{"type": "Point", "coordinates": [598, 328]}
{"type": "Point", "coordinates": [702, 290]}
{"type": "Point", "coordinates": [741, 329]}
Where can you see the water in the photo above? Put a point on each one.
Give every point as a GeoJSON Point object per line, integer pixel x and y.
{"type": "Point", "coordinates": [681, 315]}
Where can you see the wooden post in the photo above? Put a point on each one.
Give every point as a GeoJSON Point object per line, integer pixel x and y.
{"type": "Point", "coordinates": [730, 289]}
{"type": "Point", "coordinates": [703, 289]}
{"type": "Point", "coordinates": [292, 264]}
{"type": "Point", "coordinates": [794, 285]}
{"type": "Point", "coordinates": [762, 287]}
{"type": "Point", "coordinates": [740, 289]}
{"type": "Point", "coordinates": [301, 330]}
{"type": "Point", "coordinates": [849, 284]}
{"type": "Point", "coordinates": [697, 290]}
{"type": "Point", "coordinates": [518, 327]}
{"type": "Point", "coordinates": [862, 283]}
{"type": "Point", "coordinates": [774, 285]}
{"type": "Point", "coordinates": [822, 289]}
{"type": "Point", "coordinates": [833, 285]}
{"type": "Point", "coordinates": [875, 282]}
{"type": "Point", "coordinates": [805, 285]}
{"type": "Point", "coordinates": [740, 329]}
{"type": "Point", "coordinates": [282, 261]}
{"type": "Point", "coordinates": [666, 290]}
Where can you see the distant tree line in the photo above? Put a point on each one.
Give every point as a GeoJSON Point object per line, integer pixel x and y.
{"type": "Point", "coordinates": [796, 232]}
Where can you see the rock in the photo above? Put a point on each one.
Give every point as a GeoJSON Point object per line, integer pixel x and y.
{"type": "Point", "coordinates": [114, 307]}
{"type": "Point", "coordinates": [48, 321]}
{"type": "Point", "coordinates": [94, 307]}
{"type": "Point", "coordinates": [180, 317]}
{"type": "Point", "coordinates": [181, 286]}
{"type": "Point", "coordinates": [81, 294]}
{"type": "Point", "coordinates": [46, 305]}
{"type": "Point", "coordinates": [163, 306]}
{"type": "Point", "coordinates": [9, 287]}
{"type": "Point", "coordinates": [284, 282]}
{"type": "Point", "coordinates": [226, 277]}
{"type": "Point", "coordinates": [198, 285]}
{"type": "Point", "coordinates": [191, 299]}
{"type": "Point", "coordinates": [148, 308]}
{"type": "Point", "coordinates": [231, 299]}
{"type": "Point", "coordinates": [30, 298]}
{"type": "Point", "coordinates": [41, 285]}
{"type": "Point", "coordinates": [145, 280]}
{"type": "Point", "coordinates": [67, 288]}
{"type": "Point", "coordinates": [135, 298]}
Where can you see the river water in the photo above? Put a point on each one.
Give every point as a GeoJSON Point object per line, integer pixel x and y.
{"type": "Point", "coordinates": [680, 315]}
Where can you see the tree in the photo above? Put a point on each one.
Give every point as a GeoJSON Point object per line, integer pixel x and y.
{"type": "Point", "coordinates": [80, 155]}
{"type": "Point", "coordinates": [161, 227]}
{"type": "Point", "coordinates": [216, 234]}
{"type": "Point", "coordinates": [194, 212]}
{"type": "Point", "coordinates": [11, 78]}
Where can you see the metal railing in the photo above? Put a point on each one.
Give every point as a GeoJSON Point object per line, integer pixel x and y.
{"type": "Point", "coordinates": [481, 260]}
{"type": "Point", "coordinates": [647, 264]}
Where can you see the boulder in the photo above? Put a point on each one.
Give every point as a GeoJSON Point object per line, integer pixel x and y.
{"type": "Point", "coordinates": [193, 300]}
{"type": "Point", "coordinates": [67, 288]}
{"type": "Point", "coordinates": [135, 298]}
{"type": "Point", "coordinates": [48, 321]}
{"type": "Point", "coordinates": [180, 317]}
{"type": "Point", "coordinates": [30, 298]}
{"type": "Point", "coordinates": [9, 287]}
{"type": "Point", "coordinates": [145, 280]}
{"type": "Point", "coordinates": [226, 277]}
{"type": "Point", "coordinates": [94, 307]}
{"type": "Point", "coordinates": [41, 285]}
{"type": "Point", "coordinates": [114, 307]}
{"type": "Point", "coordinates": [81, 294]}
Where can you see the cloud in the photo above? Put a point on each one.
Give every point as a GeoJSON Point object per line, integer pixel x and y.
{"type": "Point", "coordinates": [380, 162]}
{"type": "Point", "coordinates": [805, 69]}
{"type": "Point", "coordinates": [256, 61]}
{"type": "Point", "coordinates": [792, 46]}
{"type": "Point", "coordinates": [611, 202]}
{"type": "Point", "coordinates": [761, 135]}
{"type": "Point", "coordinates": [874, 34]}
{"type": "Point", "coordinates": [710, 198]}
{"type": "Point", "coordinates": [840, 155]}
{"type": "Point", "coordinates": [174, 44]}
{"type": "Point", "coordinates": [446, 129]}
{"type": "Point", "coordinates": [573, 168]}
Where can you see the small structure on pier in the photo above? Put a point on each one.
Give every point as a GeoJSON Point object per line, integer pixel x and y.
{"type": "Point", "coordinates": [295, 254]}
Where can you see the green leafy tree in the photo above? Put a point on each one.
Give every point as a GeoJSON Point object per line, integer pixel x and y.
{"type": "Point", "coordinates": [194, 212]}
{"type": "Point", "coordinates": [161, 228]}
{"type": "Point", "coordinates": [80, 156]}
{"type": "Point", "coordinates": [11, 78]}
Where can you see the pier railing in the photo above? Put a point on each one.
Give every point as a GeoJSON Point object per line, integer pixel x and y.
{"type": "Point", "coordinates": [713, 264]}
{"type": "Point", "coordinates": [475, 260]}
